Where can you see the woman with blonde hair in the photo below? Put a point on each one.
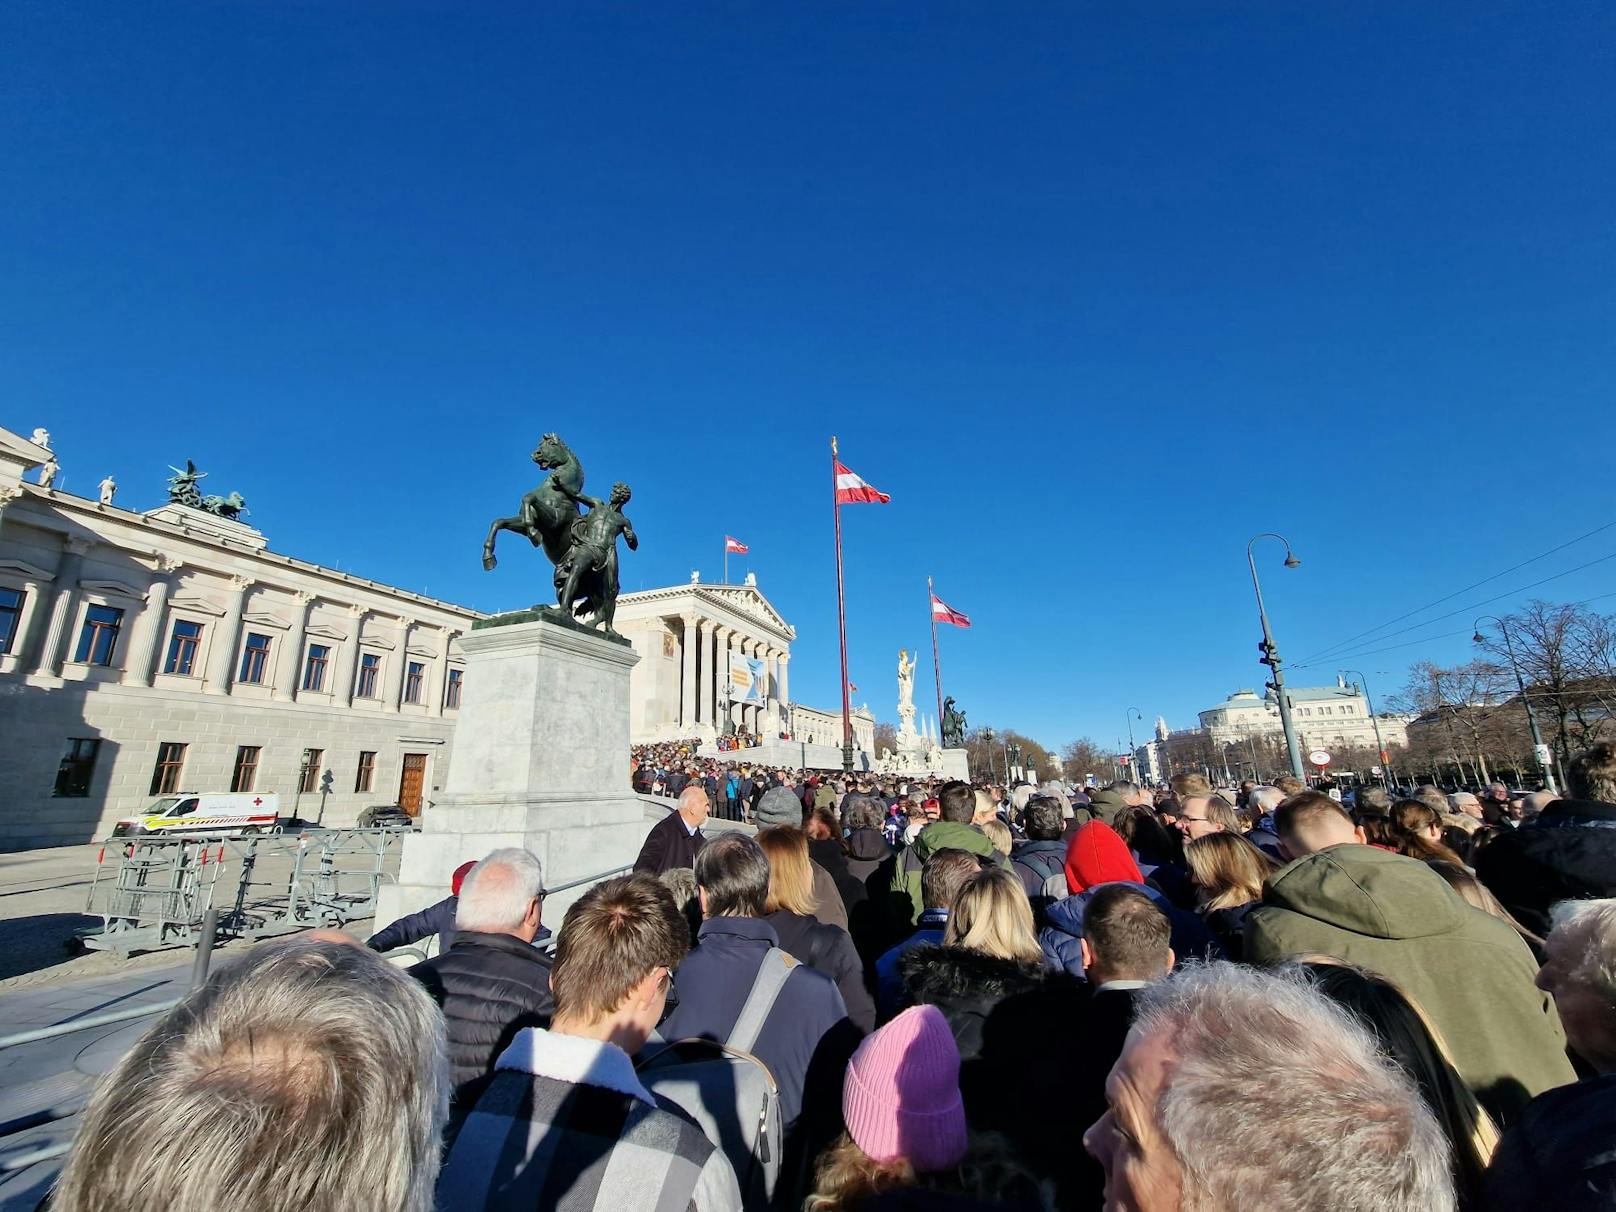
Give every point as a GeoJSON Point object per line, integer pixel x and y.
{"type": "Point", "coordinates": [999, 834]}
{"type": "Point", "coordinates": [790, 910]}
{"type": "Point", "coordinates": [1228, 872]}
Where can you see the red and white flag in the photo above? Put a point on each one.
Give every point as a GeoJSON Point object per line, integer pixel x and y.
{"type": "Point", "coordinates": [735, 546]}
{"type": "Point", "coordinates": [850, 490]}
{"type": "Point", "coordinates": [942, 612]}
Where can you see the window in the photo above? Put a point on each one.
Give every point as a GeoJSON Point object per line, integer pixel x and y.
{"type": "Point", "coordinates": [246, 767]}
{"type": "Point", "coordinates": [413, 680]}
{"type": "Point", "coordinates": [309, 772]}
{"type": "Point", "coordinates": [10, 617]}
{"type": "Point", "coordinates": [183, 646]}
{"type": "Point", "coordinates": [100, 635]}
{"type": "Point", "coordinates": [367, 771]}
{"type": "Point", "coordinates": [314, 669]}
{"type": "Point", "coordinates": [451, 696]}
{"type": "Point", "coordinates": [254, 659]}
{"type": "Point", "coordinates": [370, 667]}
{"type": "Point", "coordinates": [170, 761]}
{"type": "Point", "coordinates": [78, 763]}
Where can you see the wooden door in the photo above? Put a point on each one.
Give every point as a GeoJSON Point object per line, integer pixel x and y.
{"type": "Point", "coordinates": [411, 781]}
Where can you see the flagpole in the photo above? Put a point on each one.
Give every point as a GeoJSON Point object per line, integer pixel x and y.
{"type": "Point", "coordinates": [841, 619]}
{"type": "Point", "coordinates": [726, 559]}
{"type": "Point", "coordinates": [936, 664]}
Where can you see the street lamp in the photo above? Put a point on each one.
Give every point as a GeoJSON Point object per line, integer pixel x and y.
{"type": "Point", "coordinates": [1133, 750]}
{"type": "Point", "coordinates": [1012, 757]}
{"type": "Point", "coordinates": [1539, 749]}
{"type": "Point", "coordinates": [987, 735]}
{"type": "Point", "coordinates": [1385, 758]}
{"type": "Point", "coordinates": [1270, 655]}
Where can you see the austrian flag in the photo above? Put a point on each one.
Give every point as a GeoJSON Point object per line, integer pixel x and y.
{"type": "Point", "coordinates": [942, 612]}
{"type": "Point", "coordinates": [735, 546]}
{"type": "Point", "coordinates": [850, 490]}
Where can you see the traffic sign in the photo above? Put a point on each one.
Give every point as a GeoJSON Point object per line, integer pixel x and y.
{"type": "Point", "coordinates": [1319, 757]}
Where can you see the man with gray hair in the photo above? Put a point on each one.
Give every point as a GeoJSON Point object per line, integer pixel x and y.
{"type": "Point", "coordinates": [492, 982]}
{"type": "Point", "coordinates": [1260, 804]}
{"type": "Point", "coordinates": [1558, 1153]}
{"type": "Point", "coordinates": [307, 1074]}
{"type": "Point", "coordinates": [1247, 1089]}
{"type": "Point", "coordinates": [676, 839]}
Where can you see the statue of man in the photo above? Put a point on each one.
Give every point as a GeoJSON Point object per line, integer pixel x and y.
{"type": "Point", "coordinates": [41, 437]}
{"type": "Point", "coordinates": [593, 554]}
{"type": "Point", "coordinates": [108, 487]}
{"type": "Point", "coordinates": [47, 473]}
{"type": "Point", "coordinates": [906, 678]}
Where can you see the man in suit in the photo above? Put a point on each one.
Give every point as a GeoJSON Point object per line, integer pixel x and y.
{"type": "Point", "coordinates": [675, 840]}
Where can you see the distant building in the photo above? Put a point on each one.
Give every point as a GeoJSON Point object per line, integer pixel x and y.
{"type": "Point", "coordinates": [1325, 717]}
{"type": "Point", "coordinates": [172, 650]}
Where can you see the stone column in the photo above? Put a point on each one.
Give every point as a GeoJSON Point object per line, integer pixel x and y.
{"type": "Point", "coordinates": [290, 669]}
{"type": "Point", "coordinates": [771, 708]}
{"type": "Point", "coordinates": [704, 689]}
{"type": "Point", "coordinates": [782, 661]}
{"type": "Point", "coordinates": [687, 680]}
{"type": "Point", "coordinates": [393, 691]}
{"type": "Point", "coordinates": [146, 645]}
{"type": "Point", "coordinates": [63, 606]}
{"type": "Point", "coordinates": [721, 642]}
{"type": "Point", "coordinates": [342, 687]}
{"type": "Point", "coordinates": [8, 494]}
{"type": "Point", "coordinates": [222, 658]}
{"type": "Point", "coordinates": [438, 679]}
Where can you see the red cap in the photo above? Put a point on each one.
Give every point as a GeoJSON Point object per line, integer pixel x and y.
{"type": "Point", "coordinates": [1098, 855]}
{"type": "Point", "coordinates": [459, 876]}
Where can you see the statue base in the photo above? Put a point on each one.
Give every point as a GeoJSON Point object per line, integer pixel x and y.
{"type": "Point", "coordinates": [540, 761]}
{"type": "Point", "coordinates": [955, 765]}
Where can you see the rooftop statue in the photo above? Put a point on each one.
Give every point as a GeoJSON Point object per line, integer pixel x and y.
{"type": "Point", "coordinates": [581, 546]}
{"type": "Point", "coordinates": [183, 489]}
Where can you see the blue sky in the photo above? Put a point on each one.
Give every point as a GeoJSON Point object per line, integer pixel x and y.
{"type": "Point", "coordinates": [1096, 292]}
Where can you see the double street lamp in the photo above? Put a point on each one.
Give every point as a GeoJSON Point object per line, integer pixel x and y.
{"type": "Point", "coordinates": [1539, 750]}
{"type": "Point", "coordinates": [1133, 750]}
{"type": "Point", "coordinates": [1385, 757]}
{"type": "Point", "coordinates": [1270, 654]}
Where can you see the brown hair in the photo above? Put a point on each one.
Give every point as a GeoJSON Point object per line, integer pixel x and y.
{"type": "Point", "coordinates": [1409, 819]}
{"type": "Point", "coordinates": [944, 875]}
{"type": "Point", "coordinates": [1190, 785]}
{"type": "Point", "coordinates": [821, 824]}
{"type": "Point", "coordinates": [613, 937]}
{"type": "Point", "coordinates": [1592, 774]}
{"type": "Point", "coordinates": [1228, 869]}
{"type": "Point", "coordinates": [791, 875]}
{"type": "Point", "coordinates": [1290, 784]}
{"type": "Point", "coordinates": [1127, 933]}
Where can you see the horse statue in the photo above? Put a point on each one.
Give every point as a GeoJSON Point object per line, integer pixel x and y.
{"type": "Point", "coordinates": [953, 727]}
{"type": "Point", "coordinates": [549, 511]}
{"type": "Point", "coordinates": [231, 506]}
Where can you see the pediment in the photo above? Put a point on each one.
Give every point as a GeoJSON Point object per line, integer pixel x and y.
{"type": "Point", "coordinates": [326, 632]}
{"type": "Point", "coordinates": [262, 618]}
{"type": "Point", "coordinates": [22, 568]}
{"type": "Point", "coordinates": [421, 650]}
{"type": "Point", "coordinates": [115, 588]}
{"type": "Point", "coordinates": [196, 603]}
{"type": "Point", "coordinates": [747, 600]}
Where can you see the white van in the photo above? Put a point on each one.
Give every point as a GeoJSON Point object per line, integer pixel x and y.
{"type": "Point", "coordinates": [205, 812]}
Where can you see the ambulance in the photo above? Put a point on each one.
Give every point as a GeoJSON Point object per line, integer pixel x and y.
{"type": "Point", "coordinates": [205, 812]}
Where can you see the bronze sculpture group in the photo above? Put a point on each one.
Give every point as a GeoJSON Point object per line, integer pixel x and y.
{"type": "Point", "coordinates": [183, 489]}
{"type": "Point", "coordinates": [582, 546]}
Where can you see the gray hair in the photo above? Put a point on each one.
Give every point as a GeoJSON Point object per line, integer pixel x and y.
{"type": "Point", "coordinates": [1124, 788]}
{"type": "Point", "coordinates": [863, 812]}
{"type": "Point", "coordinates": [1264, 799]}
{"type": "Point", "coordinates": [497, 892]}
{"type": "Point", "coordinates": [1268, 1068]}
{"type": "Point", "coordinates": [1458, 799]}
{"type": "Point", "coordinates": [308, 1074]}
{"type": "Point", "coordinates": [1592, 925]}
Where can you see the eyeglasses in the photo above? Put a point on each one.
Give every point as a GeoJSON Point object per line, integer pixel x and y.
{"type": "Point", "coordinates": [1190, 820]}
{"type": "Point", "coordinates": [666, 980]}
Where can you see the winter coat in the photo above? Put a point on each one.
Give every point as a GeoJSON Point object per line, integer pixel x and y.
{"type": "Point", "coordinates": [1062, 931]}
{"type": "Point", "coordinates": [827, 949]}
{"type": "Point", "coordinates": [967, 986]}
{"type": "Point", "coordinates": [438, 919]}
{"type": "Point", "coordinates": [669, 845]}
{"type": "Point", "coordinates": [807, 1031]}
{"type": "Point", "coordinates": [1557, 1154]}
{"type": "Point", "coordinates": [828, 906]}
{"type": "Point", "coordinates": [867, 849]}
{"type": "Point", "coordinates": [889, 991]}
{"type": "Point", "coordinates": [1035, 862]}
{"type": "Point", "coordinates": [1228, 926]}
{"type": "Point", "coordinates": [1107, 806]}
{"type": "Point", "coordinates": [1567, 853]}
{"type": "Point", "coordinates": [1469, 971]}
{"type": "Point", "coordinates": [903, 896]}
{"type": "Point", "coordinates": [828, 853]}
{"type": "Point", "coordinates": [489, 986]}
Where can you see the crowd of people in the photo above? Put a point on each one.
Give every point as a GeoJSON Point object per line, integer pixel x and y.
{"type": "Point", "coordinates": [924, 994]}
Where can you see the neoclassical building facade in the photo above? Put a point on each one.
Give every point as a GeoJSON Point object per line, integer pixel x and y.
{"type": "Point", "coordinates": [169, 650]}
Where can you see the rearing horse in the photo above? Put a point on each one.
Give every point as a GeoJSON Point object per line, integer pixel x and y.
{"type": "Point", "coordinates": [548, 512]}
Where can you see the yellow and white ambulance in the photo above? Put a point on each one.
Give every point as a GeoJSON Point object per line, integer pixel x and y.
{"type": "Point", "coordinates": [205, 812]}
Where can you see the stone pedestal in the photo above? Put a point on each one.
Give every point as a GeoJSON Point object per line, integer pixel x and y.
{"type": "Point", "coordinates": [955, 765]}
{"type": "Point", "coordinates": [540, 760]}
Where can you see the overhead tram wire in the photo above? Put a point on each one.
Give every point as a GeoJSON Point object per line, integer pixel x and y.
{"type": "Point", "coordinates": [1325, 653]}
{"type": "Point", "coordinates": [1354, 655]}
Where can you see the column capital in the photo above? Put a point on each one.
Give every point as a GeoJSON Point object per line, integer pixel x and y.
{"type": "Point", "coordinates": [79, 547]}
{"type": "Point", "coordinates": [240, 583]}
{"type": "Point", "coordinates": [689, 617]}
{"type": "Point", "coordinates": [708, 626]}
{"type": "Point", "coordinates": [303, 597]}
{"type": "Point", "coordinates": [166, 565]}
{"type": "Point", "coordinates": [356, 611]}
{"type": "Point", "coordinates": [8, 495]}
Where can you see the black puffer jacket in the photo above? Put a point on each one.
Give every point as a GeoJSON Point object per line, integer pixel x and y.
{"type": "Point", "coordinates": [967, 986]}
{"type": "Point", "coordinates": [1567, 853]}
{"type": "Point", "coordinates": [490, 986]}
{"type": "Point", "coordinates": [867, 849]}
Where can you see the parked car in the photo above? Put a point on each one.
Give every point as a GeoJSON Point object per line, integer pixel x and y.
{"type": "Point", "coordinates": [384, 816]}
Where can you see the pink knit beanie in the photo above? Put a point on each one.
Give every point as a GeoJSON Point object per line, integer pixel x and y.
{"type": "Point", "coordinates": [901, 1099]}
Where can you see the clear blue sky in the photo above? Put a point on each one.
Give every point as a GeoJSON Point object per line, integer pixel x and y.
{"type": "Point", "coordinates": [1095, 291]}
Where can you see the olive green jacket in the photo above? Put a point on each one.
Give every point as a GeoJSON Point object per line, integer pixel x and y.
{"type": "Point", "coordinates": [904, 894]}
{"type": "Point", "coordinates": [1469, 971]}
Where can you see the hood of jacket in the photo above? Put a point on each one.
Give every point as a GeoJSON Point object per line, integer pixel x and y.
{"type": "Point", "coordinates": [867, 844]}
{"type": "Point", "coordinates": [1369, 892]}
{"type": "Point", "coordinates": [1561, 813]}
{"type": "Point", "coordinates": [1066, 914]}
{"type": "Point", "coordinates": [1098, 855]}
{"type": "Point", "coordinates": [936, 973]}
{"type": "Point", "coordinates": [1107, 806]}
{"type": "Point", "coordinates": [951, 835]}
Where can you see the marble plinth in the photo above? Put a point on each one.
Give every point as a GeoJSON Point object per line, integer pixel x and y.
{"type": "Point", "coordinates": [540, 760]}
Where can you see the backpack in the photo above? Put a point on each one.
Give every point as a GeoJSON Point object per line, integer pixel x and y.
{"type": "Point", "coordinates": [727, 1090]}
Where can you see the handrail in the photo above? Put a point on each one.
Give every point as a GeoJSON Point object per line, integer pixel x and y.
{"type": "Point", "coordinates": [110, 1018]}
{"type": "Point", "coordinates": [590, 879]}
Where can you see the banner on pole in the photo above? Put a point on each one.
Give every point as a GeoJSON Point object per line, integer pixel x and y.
{"type": "Point", "coordinates": [748, 679]}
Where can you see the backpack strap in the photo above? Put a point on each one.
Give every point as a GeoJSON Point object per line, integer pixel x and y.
{"type": "Point", "coordinates": [766, 986]}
